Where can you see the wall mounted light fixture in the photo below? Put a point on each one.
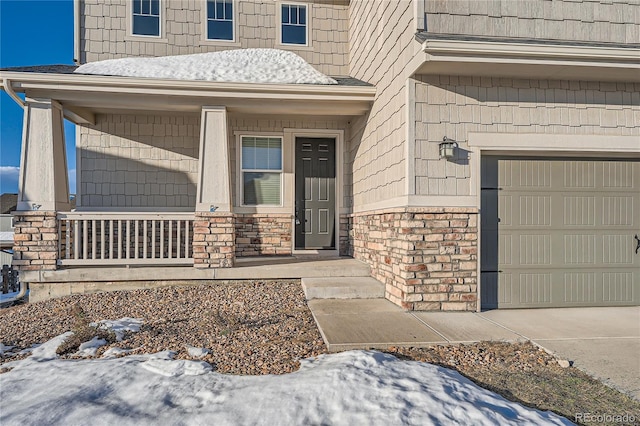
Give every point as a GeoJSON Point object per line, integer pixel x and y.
{"type": "Point", "coordinates": [448, 148]}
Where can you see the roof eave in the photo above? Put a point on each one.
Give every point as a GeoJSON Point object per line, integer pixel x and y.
{"type": "Point", "coordinates": [95, 92]}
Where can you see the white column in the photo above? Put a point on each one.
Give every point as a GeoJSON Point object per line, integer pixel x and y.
{"type": "Point", "coordinates": [44, 182]}
{"type": "Point", "coordinates": [214, 172]}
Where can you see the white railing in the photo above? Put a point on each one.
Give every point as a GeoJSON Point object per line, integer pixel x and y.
{"type": "Point", "coordinates": [125, 238]}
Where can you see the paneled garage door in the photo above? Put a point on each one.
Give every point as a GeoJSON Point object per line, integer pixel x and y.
{"type": "Point", "coordinates": [560, 232]}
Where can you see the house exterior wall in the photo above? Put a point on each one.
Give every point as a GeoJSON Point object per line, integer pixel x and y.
{"type": "Point", "coordinates": [105, 33]}
{"type": "Point", "coordinates": [582, 20]}
{"type": "Point", "coordinates": [139, 161]}
{"type": "Point", "coordinates": [455, 106]}
{"type": "Point", "coordinates": [381, 36]}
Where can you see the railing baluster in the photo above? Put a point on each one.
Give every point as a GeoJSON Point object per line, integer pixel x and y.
{"type": "Point", "coordinates": [153, 239]}
{"type": "Point", "coordinates": [162, 239]}
{"type": "Point", "coordinates": [178, 239]}
{"type": "Point", "coordinates": [111, 238]}
{"type": "Point", "coordinates": [136, 239]}
{"type": "Point", "coordinates": [76, 239]}
{"type": "Point", "coordinates": [93, 239]}
{"type": "Point", "coordinates": [146, 242]}
{"type": "Point", "coordinates": [170, 256]}
{"type": "Point", "coordinates": [186, 239]}
{"type": "Point", "coordinates": [102, 239]}
{"type": "Point", "coordinates": [119, 239]}
{"type": "Point", "coordinates": [85, 238]}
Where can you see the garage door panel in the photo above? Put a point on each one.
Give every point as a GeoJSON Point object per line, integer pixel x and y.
{"type": "Point", "coordinates": [564, 233]}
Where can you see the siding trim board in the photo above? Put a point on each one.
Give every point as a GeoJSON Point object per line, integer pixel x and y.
{"type": "Point", "coordinates": [470, 56]}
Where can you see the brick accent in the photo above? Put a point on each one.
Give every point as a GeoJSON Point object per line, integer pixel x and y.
{"type": "Point", "coordinates": [263, 234]}
{"type": "Point", "coordinates": [214, 240]}
{"type": "Point", "coordinates": [35, 239]}
{"type": "Point", "coordinates": [427, 258]}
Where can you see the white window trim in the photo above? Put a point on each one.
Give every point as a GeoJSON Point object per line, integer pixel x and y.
{"type": "Point", "coordinates": [204, 41]}
{"type": "Point", "coordinates": [161, 38]}
{"type": "Point", "coordinates": [292, 46]}
{"type": "Point", "coordinates": [241, 170]}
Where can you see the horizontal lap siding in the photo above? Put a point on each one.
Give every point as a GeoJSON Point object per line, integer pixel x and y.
{"type": "Point", "coordinates": [139, 161]}
{"type": "Point", "coordinates": [104, 34]}
{"type": "Point", "coordinates": [454, 106]}
{"type": "Point", "coordinates": [615, 21]}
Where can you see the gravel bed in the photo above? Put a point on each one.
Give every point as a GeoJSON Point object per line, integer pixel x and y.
{"type": "Point", "coordinates": [249, 327]}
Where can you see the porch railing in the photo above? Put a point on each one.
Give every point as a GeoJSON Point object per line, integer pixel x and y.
{"type": "Point", "coordinates": [125, 238]}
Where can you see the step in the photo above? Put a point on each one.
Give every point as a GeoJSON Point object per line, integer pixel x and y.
{"type": "Point", "coordinates": [342, 288]}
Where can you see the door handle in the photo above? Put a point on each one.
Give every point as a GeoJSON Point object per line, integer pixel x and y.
{"type": "Point", "coordinates": [638, 243]}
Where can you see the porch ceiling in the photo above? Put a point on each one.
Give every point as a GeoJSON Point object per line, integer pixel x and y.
{"type": "Point", "coordinates": [528, 59]}
{"type": "Point", "coordinates": [82, 96]}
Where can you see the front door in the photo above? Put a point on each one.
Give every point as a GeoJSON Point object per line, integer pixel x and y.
{"type": "Point", "coordinates": [315, 209]}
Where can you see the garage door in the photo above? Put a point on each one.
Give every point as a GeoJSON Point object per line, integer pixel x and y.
{"type": "Point", "coordinates": [560, 232]}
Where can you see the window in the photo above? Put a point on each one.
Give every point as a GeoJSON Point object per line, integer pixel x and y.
{"type": "Point", "coordinates": [294, 24]}
{"type": "Point", "coordinates": [261, 160]}
{"type": "Point", "coordinates": [146, 18]}
{"type": "Point", "coordinates": [220, 20]}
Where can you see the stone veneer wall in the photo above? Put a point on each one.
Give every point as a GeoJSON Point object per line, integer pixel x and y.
{"type": "Point", "coordinates": [426, 257]}
{"type": "Point", "coordinates": [263, 234]}
{"type": "Point", "coordinates": [35, 241]}
{"type": "Point", "coordinates": [214, 240]}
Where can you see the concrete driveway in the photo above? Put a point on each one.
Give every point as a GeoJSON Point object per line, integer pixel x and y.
{"type": "Point", "coordinates": [604, 342]}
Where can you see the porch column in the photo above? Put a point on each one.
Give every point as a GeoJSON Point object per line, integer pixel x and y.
{"type": "Point", "coordinates": [43, 187]}
{"type": "Point", "coordinates": [214, 227]}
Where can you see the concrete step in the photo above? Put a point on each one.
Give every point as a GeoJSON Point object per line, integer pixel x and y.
{"type": "Point", "coordinates": [342, 288]}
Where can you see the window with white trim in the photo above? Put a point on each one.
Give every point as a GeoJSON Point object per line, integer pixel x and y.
{"type": "Point", "coordinates": [294, 24]}
{"type": "Point", "coordinates": [145, 20]}
{"type": "Point", "coordinates": [220, 20]}
{"type": "Point", "coordinates": [261, 170]}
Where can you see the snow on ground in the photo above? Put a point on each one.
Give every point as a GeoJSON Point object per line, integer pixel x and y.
{"type": "Point", "coordinates": [240, 65]}
{"type": "Point", "coordinates": [349, 388]}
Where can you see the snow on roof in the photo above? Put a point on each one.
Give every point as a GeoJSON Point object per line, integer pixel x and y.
{"type": "Point", "coordinates": [240, 66]}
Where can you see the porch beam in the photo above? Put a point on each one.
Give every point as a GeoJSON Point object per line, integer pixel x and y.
{"type": "Point", "coordinates": [44, 181]}
{"type": "Point", "coordinates": [214, 187]}
{"type": "Point", "coordinates": [79, 115]}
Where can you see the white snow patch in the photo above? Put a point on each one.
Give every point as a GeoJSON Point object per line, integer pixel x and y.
{"type": "Point", "coordinates": [357, 387]}
{"type": "Point", "coordinates": [114, 352]}
{"type": "Point", "coordinates": [120, 326]}
{"type": "Point", "coordinates": [239, 65]}
{"type": "Point", "coordinates": [88, 349]}
{"type": "Point", "coordinates": [197, 352]}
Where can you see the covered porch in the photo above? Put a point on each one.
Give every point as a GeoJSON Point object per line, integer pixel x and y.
{"type": "Point", "coordinates": [207, 226]}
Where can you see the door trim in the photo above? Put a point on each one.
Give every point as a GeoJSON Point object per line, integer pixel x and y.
{"type": "Point", "coordinates": [290, 136]}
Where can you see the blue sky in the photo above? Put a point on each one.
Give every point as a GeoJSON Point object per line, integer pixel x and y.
{"type": "Point", "coordinates": [32, 32]}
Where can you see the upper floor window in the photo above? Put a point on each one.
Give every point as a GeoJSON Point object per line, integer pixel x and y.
{"type": "Point", "coordinates": [220, 20]}
{"type": "Point", "coordinates": [146, 18]}
{"type": "Point", "coordinates": [294, 24]}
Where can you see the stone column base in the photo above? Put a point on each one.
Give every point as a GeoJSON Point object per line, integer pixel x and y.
{"type": "Point", "coordinates": [35, 241]}
{"type": "Point", "coordinates": [214, 240]}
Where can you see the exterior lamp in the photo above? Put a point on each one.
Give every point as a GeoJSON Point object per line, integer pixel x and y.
{"type": "Point", "coordinates": [448, 148]}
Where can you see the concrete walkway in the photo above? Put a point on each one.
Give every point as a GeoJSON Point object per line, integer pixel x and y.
{"type": "Point", "coordinates": [604, 342]}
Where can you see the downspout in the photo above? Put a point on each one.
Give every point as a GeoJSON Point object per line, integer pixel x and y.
{"type": "Point", "coordinates": [6, 84]}
{"type": "Point", "coordinates": [76, 32]}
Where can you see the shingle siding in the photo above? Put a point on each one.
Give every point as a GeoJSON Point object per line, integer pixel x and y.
{"type": "Point", "coordinates": [454, 106]}
{"type": "Point", "coordinates": [138, 161]}
{"type": "Point", "coordinates": [616, 21]}
{"type": "Point", "coordinates": [104, 34]}
{"type": "Point", "coordinates": [381, 36]}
